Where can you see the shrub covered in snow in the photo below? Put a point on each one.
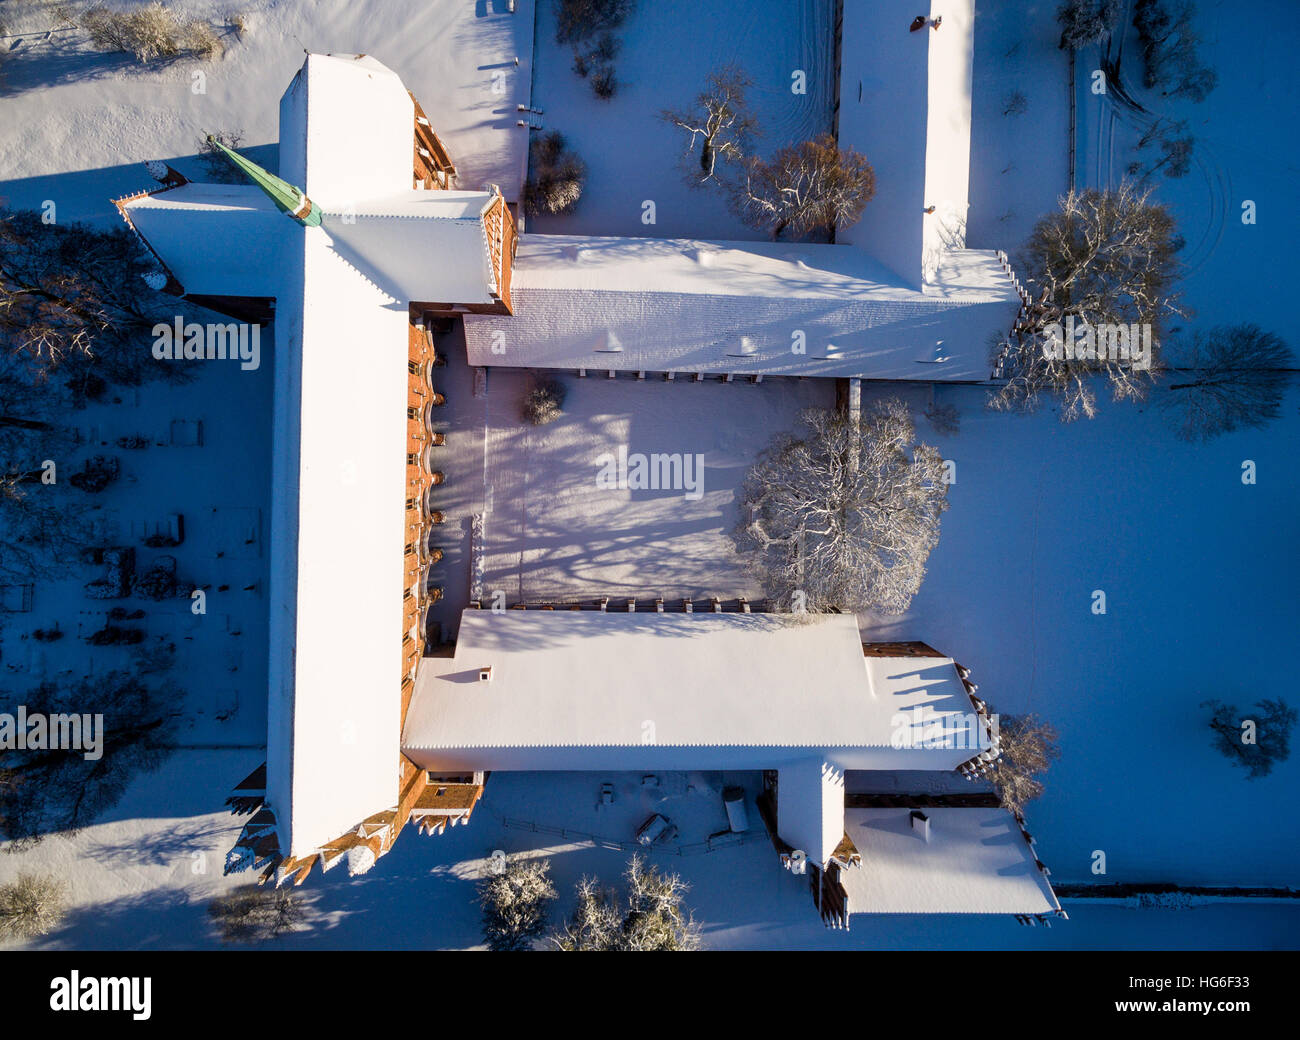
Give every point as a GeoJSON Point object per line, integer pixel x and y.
{"type": "Point", "coordinates": [652, 918]}
{"type": "Point", "coordinates": [555, 176]}
{"type": "Point", "coordinates": [577, 20]}
{"type": "Point", "coordinates": [151, 33]}
{"type": "Point", "coordinates": [31, 906]}
{"type": "Point", "coordinates": [587, 25]}
{"type": "Point", "coordinates": [516, 902]}
{"type": "Point", "coordinates": [544, 402]}
{"type": "Point", "coordinates": [811, 187]}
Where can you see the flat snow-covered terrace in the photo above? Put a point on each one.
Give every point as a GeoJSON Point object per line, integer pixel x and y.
{"type": "Point", "coordinates": [976, 861]}
{"type": "Point", "coordinates": [592, 690]}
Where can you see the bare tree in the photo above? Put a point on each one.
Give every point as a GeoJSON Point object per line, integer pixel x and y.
{"type": "Point", "coordinates": [1107, 258]}
{"type": "Point", "coordinates": [1232, 378]}
{"type": "Point", "coordinates": [846, 516]}
{"type": "Point", "coordinates": [813, 186]}
{"type": "Point", "coordinates": [44, 789]}
{"type": "Point", "coordinates": [1256, 741]}
{"type": "Point", "coordinates": [515, 903]}
{"type": "Point", "coordinates": [720, 122]}
{"type": "Point", "coordinates": [69, 293]}
{"type": "Point", "coordinates": [1028, 746]}
{"type": "Point", "coordinates": [652, 918]}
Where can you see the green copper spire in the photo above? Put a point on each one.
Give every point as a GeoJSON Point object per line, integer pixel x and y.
{"type": "Point", "coordinates": [282, 193]}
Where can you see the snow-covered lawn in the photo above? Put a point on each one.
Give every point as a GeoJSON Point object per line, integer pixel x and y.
{"type": "Point", "coordinates": [143, 878]}
{"type": "Point", "coordinates": [668, 49]}
{"type": "Point", "coordinates": [1199, 572]}
{"type": "Point", "coordinates": [554, 534]}
{"type": "Point", "coordinates": [1019, 161]}
{"type": "Point", "coordinates": [78, 123]}
{"type": "Point", "coordinates": [220, 643]}
{"type": "Point", "coordinates": [1244, 151]}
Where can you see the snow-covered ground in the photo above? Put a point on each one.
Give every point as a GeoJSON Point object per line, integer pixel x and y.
{"type": "Point", "coordinates": [143, 878]}
{"type": "Point", "coordinates": [78, 123]}
{"type": "Point", "coordinates": [208, 433]}
{"type": "Point", "coordinates": [1243, 152]}
{"type": "Point", "coordinates": [553, 534]}
{"type": "Point", "coordinates": [1019, 160]}
{"type": "Point", "coordinates": [667, 51]}
{"type": "Point", "coordinates": [1198, 569]}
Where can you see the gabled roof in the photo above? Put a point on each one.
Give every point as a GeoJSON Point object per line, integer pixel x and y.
{"type": "Point", "coordinates": [731, 688]}
{"type": "Point", "coordinates": [683, 305]}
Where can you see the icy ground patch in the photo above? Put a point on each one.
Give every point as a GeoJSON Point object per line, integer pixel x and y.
{"type": "Point", "coordinates": [668, 49]}
{"type": "Point", "coordinates": [553, 534]}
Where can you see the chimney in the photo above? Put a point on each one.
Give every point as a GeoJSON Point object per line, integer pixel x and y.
{"type": "Point", "coordinates": [921, 824]}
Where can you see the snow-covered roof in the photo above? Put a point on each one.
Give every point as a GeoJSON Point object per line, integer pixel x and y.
{"type": "Point", "coordinates": [233, 223]}
{"type": "Point", "coordinates": [429, 246]}
{"type": "Point", "coordinates": [905, 102]}
{"type": "Point", "coordinates": [337, 538]}
{"type": "Point", "coordinates": [681, 305]}
{"type": "Point", "coordinates": [975, 862]}
{"type": "Point", "coordinates": [810, 807]}
{"type": "Point", "coordinates": [587, 689]}
{"type": "Point", "coordinates": [347, 130]}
